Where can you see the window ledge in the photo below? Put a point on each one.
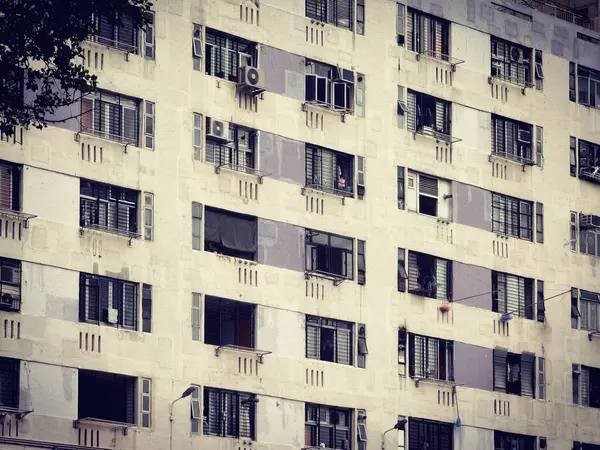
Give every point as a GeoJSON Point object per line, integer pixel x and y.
{"type": "Point", "coordinates": [126, 234]}
{"type": "Point", "coordinates": [331, 191]}
{"type": "Point", "coordinates": [336, 279]}
{"type": "Point", "coordinates": [590, 175]}
{"type": "Point", "coordinates": [127, 49]}
{"type": "Point", "coordinates": [430, 132]}
{"type": "Point", "coordinates": [443, 383]}
{"type": "Point", "coordinates": [18, 413]}
{"type": "Point", "coordinates": [243, 169]}
{"type": "Point", "coordinates": [326, 107]}
{"type": "Point", "coordinates": [591, 334]}
{"type": "Point", "coordinates": [508, 157]}
{"type": "Point", "coordinates": [17, 215]}
{"type": "Point", "coordinates": [447, 59]}
{"type": "Point", "coordinates": [106, 137]}
{"type": "Point", "coordinates": [101, 423]}
{"type": "Point", "coordinates": [238, 348]}
{"type": "Point", "coordinates": [523, 86]}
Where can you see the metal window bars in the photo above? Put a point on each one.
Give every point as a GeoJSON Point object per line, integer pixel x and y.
{"type": "Point", "coordinates": [558, 11]}
{"type": "Point", "coordinates": [435, 55]}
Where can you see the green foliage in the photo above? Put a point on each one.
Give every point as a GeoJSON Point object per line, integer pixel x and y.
{"type": "Point", "coordinates": [40, 50]}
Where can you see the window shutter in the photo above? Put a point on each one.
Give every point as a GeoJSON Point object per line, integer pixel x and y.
{"type": "Point", "coordinates": [196, 316]}
{"type": "Point", "coordinates": [584, 380]}
{"type": "Point", "coordinates": [412, 111]}
{"type": "Point", "coordinates": [413, 272]}
{"type": "Point", "coordinates": [344, 345]}
{"type": "Point", "coordinates": [411, 355]}
{"type": "Point", "coordinates": [148, 216]}
{"type": "Point", "coordinates": [6, 187]}
{"type": "Point", "coordinates": [500, 370]}
{"type": "Point", "coordinates": [410, 42]}
{"type": "Point", "coordinates": [360, 172]}
{"type": "Point", "coordinates": [328, 169]}
{"type": "Point", "coordinates": [528, 374]}
{"type": "Point", "coordinates": [441, 278]}
{"type": "Point", "coordinates": [313, 340]}
{"type": "Point", "coordinates": [445, 435]}
{"type": "Point", "coordinates": [425, 30]}
{"type": "Point", "coordinates": [196, 226]}
{"type": "Point", "coordinates": [400, 23]}
{"type": "Point", "coordinates": [130, 305]}
{"type": "Point", "coordinates": [441, 116]}
{"type": "Point", "coordinates": [146, 308]}
{"type": "Point", "coordinates": [146, 403]}
{"type": "Point", "coordinates": [362, 271]}
{"type": "Point", "coordinates": [84, 293]}
{"type": "Point", "coordinates": [149, 124]}
{"type": "Point", "coordinates": [130, 400]}
{"type": "Point", "coordinates": [428, 185]}
{"type": "Point", "coordinates": [149, 43]}
{"type": "Point", "coordinates": [539, 146]}
{"type": "Point", "coordinates": [541, 378]}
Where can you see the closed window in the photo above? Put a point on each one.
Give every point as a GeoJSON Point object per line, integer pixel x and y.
{"type": "Point", "coordinates": [427, 34]}
{"type": "Point", "coordinates": [112, 116]}
{"type": "Point", "coordinates": [429, 276]}
{"type": "Point", "coordinates": [512, 139]}
{"type": "Point", "coordinates": [329, 171]}
{"type": "Point", "coordinates": [589, 234]}
{"type": "Point", "coordinates": [511, 62]}
{"type": "Point", "coordinates": [589, 310]}
{"type": "Point", "coordinates": [512, 294]}
{"type": "Point", "coordinates": [589, 161]}
{"type": "Point", "coordinates": [514, 373]}
{"type": "Point", "coordinates": [149, 39]}
{"type": "Point", "coordinates": [225, 54]}
{"type": "Point", "coordinates": [329, 340]}
{"type": "Point", "coordinates": [430, 358]}
{"type": "Point", "coordinates": [108, 300]}
{"type": "Point", "coordinates": [229, 233]}
{"type": "Point", "coordinates": [330, 86]}
{"type": "Point", "coordinates": [10, 284]}
{"type": "Point", "coordinates": [428, 115]}
{"type": "Point", "coordinates": [588, 86]}
{"type": "Point", "coordinates": [511, 441]}
{"type": "Point", "coordinates": [336, 12]}
{"type": "Point", "coordinates": [586, 386]}
{"type": "Point", "coordinates": [9, 380]}
{"type": "Point", "coordinates": [229, 413]}
{"type": "Point", "coordinates": [108, 208]}
{"type": "Point", "coordinates": [237, 152]}
{"type": "Point", "coordinates": [429, 434]}
{"type": "Point", "coordinates": [228, 322]}
{"type": "Point", "coordinates": [329, 254]}
{"type": "Point", "coordinates": [146, 308]}
{"type": "Point", "coordinates": [10, 186]}
{"type": "Point", "coordinates": [512, 216]}
{"type": "Point", "coordinates": [119, 31]}
{"type": "Point", "coordinates": [198, 136]}
{"type": "Point", "coordinates": [328, 427]}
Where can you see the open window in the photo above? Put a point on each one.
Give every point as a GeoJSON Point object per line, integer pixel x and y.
{"type": "Point", "coordinates": [228, 322]}
{"type": "Point", "coordinates": [328, 426]}
{"type": "Point", "coordinates": [10, 284]}
{"type": "Point", "coordinates": [225, 54]}
{"type": "Point", "coordinates": [428, 195]}
{"type": "Point", "coordinates": [329, 171]}
{"type": "Point", "coordinates": [512, 139]}
{"type": "Point", "coordinates": [511, 62]}
{"type": "Point", "coordinates": [512, 441]}
{"type": "Point", "coordinates": [329, 86]}
{"type": "Point", "coordinates": [236, 150]}
{"type": "Point", "coordinates": [429, 276]}
{"type": "Point", "coordinates": [427, 34]}
{"type": "Point", "coordinates": [512, 216]}
{"type": "Point", "coordinates": [588, 86]}
{"type": "Point", "coordinates": [430, 434]}
{"type": "Point", "coordinates": [330, 340]}
{"type": "Point", "coordinates": [429, 115]}
{"type": "Point", "coordinates": [430, 358]}
{"type": "Point", "coordinates": [336, 12]}
{"type": "Point", "coordinates": [514, 373]}
{"type": "Point", "coordinates": [9, 380]}
{"type": "Point", "coordinates": [106, 396]}
{"type": "Point", "coordinates": [512, 294]}
{"type": "Point", "coordinates": [230, 234]}
{"type": "Point", "coordinates": [586, 386]}
{"type": "Point", "coordinates": [329, 254]}
{"type": "Point", "coordinates": [229, 413]}
{"type": "Point", "coordinates": [117, 31]}
{"type": "Point", "coordinates": [589, 161]}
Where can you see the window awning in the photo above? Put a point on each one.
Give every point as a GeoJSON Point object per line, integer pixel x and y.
{"type": "Point", "coordinates": [232, 232]}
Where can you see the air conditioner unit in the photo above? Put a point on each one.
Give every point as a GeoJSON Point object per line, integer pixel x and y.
{"type": "Point", "coordinates": [516, 54]}
{"type": "Point", "coordinates": [251, 78]}
{"type": "Point", "coordinates": [217, 130]}
{"type": "Point", "coordinates": [525, 136]}
{"type": "Point", "coordinates": [7, 300]}
{"type": "Point", "coordinates": [589, 221]}
{"type": "Point", "coordinates": [10, 274]}
{"type": "Point", "coordinates": [112, 315]}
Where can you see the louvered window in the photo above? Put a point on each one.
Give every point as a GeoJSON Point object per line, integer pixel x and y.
{"type": "Point", "coordinates": [10, 186]}
{"type": "Point", "coordinates": [429, 434]}
{"type": "Point", "coordinates": [429, 276]}
{"type": "Point", "coordinates": [512, 294]}
{"type": "Point", "coordinates": [224, 54]}
{"type": "Point", "coordinates": [336, 12]}
{"type": "Point", "coordinates": [511, 441]}
{"type": "Point", "coordinates": [512, 139]}
{"type": "Point", "coordinates": [431, 358]}
{"type": "Point", "coordinates": [238, 153]}
{"type": "Point", "coordinates": [108, 300]}
{"type": "Point", "coordinates": [513, 373]}
{"type": "Point", "coordinates": [512, 216]}
{"type": "Point", "coordinates": [329, 171]}
{"type": "Point", "coordinates": [329, 340]}
{"type": "Point", "coordinates": [589, 237]}
{"type": "Point", "coordinates": [428, 114]}
{"type": "Point", "coordinates": [586, 386]}
{"type": "Point", "coordinates": [428, 34]}
{"type": "Point", "coordinates": [228, 322]}
{"type": "Point", "coordinates": [511, 62]}
{"type": "Point", "coordinates": [328, 427]}
{"type": "Point", "coordinates": [229, 413]}
{"type": "Point", "coordinates": [111, 116]}
{"type": "Point", "coordinates": [329, 254]}
{"type": "Point", "coordinates": [588, 86]}
{"type": "Point", "coordinates": [589, 161]}
{"type": "Point", "coordinates": [106, 396]}
{"type": "Point", "coordinates": [9, 380]}
{"type": "Point", "coordinates": [119, 32]}
{"type": "Point", "coordinates": [10, 284]}
{"type": "Point", "coordinates": [589, 310]}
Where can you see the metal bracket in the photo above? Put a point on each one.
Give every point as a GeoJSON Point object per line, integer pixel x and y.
{"type": "Point", "coordinates": [125, 147]}
{"type": "Point", "coordinates": [592, 334]}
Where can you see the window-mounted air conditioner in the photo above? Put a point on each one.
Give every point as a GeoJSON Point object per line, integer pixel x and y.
{"type": "Point", "coordinates": [251, 78]}
{"type": "Point", "coordinates": [589, 221]}
{"type": "Point", "coordinates": [217, 130]}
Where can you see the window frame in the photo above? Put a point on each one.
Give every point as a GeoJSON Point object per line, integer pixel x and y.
{"type": "Point", "coordinates": [505, 283]}
{"type": "Point", "coordinates": [590, 78]}
{"type": "Point", "coordinates": [11, 286]}
{"type": "Point", "coordinates": [313, 425]}
{"type": "Point", "coordinates": [508, 215]}
{"type": "Point", "coordinates": [332, 180]}
{"type": "Point", "coordinates": [224, 214]}
{"type": "Point", "coordinates": [325, 82]}
{"type": "Point", "coordinates": [318, 324]}
{"type": "Point", "coordinates": [420, 111]}
{"type": "Point", "coordinates": [10, 369]}
{"type": "Point", "coordinates": [431, 433]}
{"type": "Point", "coordinates": [223, 53]}
{"type": "Point", "coordinates": [425, 287]}
{"type": "Point", "coordinates": [227, 411]}
{"type": "Point", "coordinates": [232, 311]}
{"type": "Point", "coordinates": [502, 363]}
{"type": "Point", "coordinates": [588, 159]}
{"type": "Point", "coordinates": [422, 34]}
{"type": "Point", "coordinates": [426, 353]}
{"type": "Point", "coordinates": [504, 440]}
{"type": "Point", "coordinates": [522, 150]}
{"type": "Point", "coordinates": [10, 186]}
{"type": "Point", "coordinates": [502, 61]}
{"type": "Point", "coordinates": [313, 258]}
{"type": "Point", "coordinates": [115, 27]}
{"type": "Point", "coordinates": [232, 153]}
{"type": "Point", "coordinates": [327, 11]}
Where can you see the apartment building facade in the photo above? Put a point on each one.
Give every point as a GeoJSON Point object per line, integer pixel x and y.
{"type": "Point", "coordinates": [293, 224]}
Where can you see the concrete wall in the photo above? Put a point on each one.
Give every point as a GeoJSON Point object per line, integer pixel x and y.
{"type": "Point", "coordinates": [281, 245]}
{"type": "Point", "coordinates": [473, 366]}
{"type": "Point", "coordinates": [466, 438]}
{"type": "Point", "coordinates": [281, 332]}
{"type": "Point", "coordinates": [472, 206]}
{"type": "Point", "coordinates": [284, 72]}
{"type": "Point", "coordinates": [472, 285]}
{"type": "Point", "coordinates": [280, 421]}
{"type": "Point", "coordinates": [282, 158]}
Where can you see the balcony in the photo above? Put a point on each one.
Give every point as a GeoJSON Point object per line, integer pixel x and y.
{"type": "Point", "coordinates": [560, 12]}
{"type": "Point", "coordinates": [129, 235]}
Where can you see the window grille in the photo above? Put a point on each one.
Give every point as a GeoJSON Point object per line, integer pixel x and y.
{"type": "Point", "coordinates": [589, 310]}
{"type": "Point", "coordinates": [511, 62]}
{"type": "Point", "coordinates": [429, 434]}
{"type": "Point", "coordinates": [428, 114]}
{"type": "Point", "coordinates": [329, 170]}
{"type": "Point", "coordinates": [229, 413]}
{"type": "Point", "coordinates": [107, 207]}
{"type": "Point", "coordinates": [511, 441]}
{"type": "Point", "coordinates": [329, 340]}
{"type": "Point", "coordinates": [588, 86]}
{"type": "Point", "coordinates": [111, 116]}
{"type": "Point", "coordinates": [512, 216]}
{"type": "Point", "coordinates": [428, 34]}
{"type": "Point", "coordinates": [429, 276]}
{"type": "Point", "coordinates": [224, 54]}
{"type": "Point", "coordinates": [10, 284]}
{"type": "Point", "coordinates": [119, 32]}
{"type": "Point", "coordinates": [431, 358]}
{"type": "Point", "coordinates": [514, 374]}
{"type": "Point", "coordinates": [329, 254]}
{"type": "Point", "coordinates": [328, 426]}
{"type": "Point", "coordinates": [512, 294]}
{"type": "Point", "coordinates": [239, 151]}
{"type": "Point", "coordinates": [589, 161]}
{"type": "Point", "coordinates": [336, 12]}
{"type": "Point", "coordinates": [512, 139]}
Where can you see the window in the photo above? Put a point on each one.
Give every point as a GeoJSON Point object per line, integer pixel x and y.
{"type": "Point", "coordinates": [229, 413]}
{"type": "Point", "coordinates": [400, 33]}
{"type": "Point", "coordinates": [539, 146]}
{"type": "Point", "coordinates": [589, 234]}
{"type": "Point", "coordinates": [572, 82]}
{"type": "Point", "coordinates": [586, 386]}
{"type": "Point", "coordinates": [573, 156]}
{"type": "Point", "coordinates": [541, 378]}
{"type": "Point", "coordinates": [197, 48]}
{"type": "Point", "coordinates": [588, 86]}
{"type": "Point", "coordinates": [401, 108]}
{"type": "Point", "coordinates": [400, 179]}
{"type": "Point", "coordinates": [513, 373]}
{"type": "Point", "coordinates": [109, 208]}
{"type": "Point", "coordinates": [429, 434]}
{"type": "Point", "coordinates": [539, 70]}
{"type": "Point", "coordinates": [328, 426]}
{"type": "Point", "coordinates": [512, 216]}
{"type": "Point", "coordinates": [589, 161]}
{"type": "Point", "coordinates": [148, 216]}
{"type": "Point", "coordinates": [429, 276]}
{"type": "Point", "coordinates": [196, 314]}
{"type": "Point", "coordinates": [336, 12]}
{"type": "Point", "coordinates": [149, 43]}
{"type": "Point", "coordinates": [106, 396]}
{"type": "Point", "coordinates": [329, 86]}
{"type": "Point", "coordinates": [402, 351]}
{"type": "Point", "coordinates": [229, 233]}
{"type": "Point", "coordinates": [108, 300]}
{"type": "Point", "coordinates": [237, 152]}
{"type": "Point", "coordinates": [582, 446]}
{"type": "Point", "coordinates": [117, 32]}
{"type": "Point", "coordinates": [430, 358]}
{"type": "Point", "coordinates": [195, 412]}
{"type": "Point", "coordinates": [10, 186]}
{"type": "Point", "coordinates": [228, 322]}
{"type": "Point", "coordinates": [428, 195]}
{"type": "Point", "coordinates": [225, 54]}
{"type": "Point", "coordinates": [573, 231]}
{"type": "Point", "coordinates": [512, 294]}
{"type": "Point", "coordinates": [360, 94]}
{"type": "Point", "coordinates": [512, 139]}
{"type": "Point", "coordinates": [539, 222]}
{"type": "Point", "coordinates": [146, 308]}
{"type": "Point", "coordinates": [428, 115]}
{"type": "Point", "coordinates": [511, 441]}
{"type": "Point", "coordinates": [10, 382]}
{"type": "Point", "coordinates": [427, 34]}
{"type": "Point", "coordinates": [146, 403]}
{"type": "Point", "coordinates": [360, 177]}
{"type": "Point", "coordinates": [329, 254]}
{"type": "Point", "coordinates": [402, 275]}
{"type": "Point", "coordinates": [198, 137]}
{"type": "Point", "coordinates": [589, 310]}
{"type": "Point", "coordinates": [511, 62]}
{"type": "Point", "coordinates": [329, 171]}
{"type": "Point", "coordinates": [329, 340]}
{"type": "Point", "coordinates": [196, 226]}
{"type": "Point", "coordinates": [360, 17]}
{"type": "Point", "coordinates": [362, 348]}
{"type": "Point", "coordinates": [111, 116]}
{"type": "Point", "coordinates": [149, 124]}
{"type": "Point", "coordinates": [541, 304]}
{"type": "Point", "coordinates": [361, 432]}
{"type": "Point", "coordinates": [361, 263]}
{"type": "Point", "coordinates": [10, 284]}
{"type": "Point", "coordinates": [575, 308]}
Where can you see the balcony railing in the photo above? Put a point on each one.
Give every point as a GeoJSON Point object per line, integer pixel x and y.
{"type": "Point", "coordinates": [243, 169]}
{"type": "Point", "coordinates": [527, 161]}
{"type": "Point", "coordinates": [560, 12]}
{"type": "Point", "coordinates": [130, 235]}
{"type": "Point", "coordinates": [432, 54]}
{"type": "Point", "coordinates": [590, 174]}
{"type": "Point", "coordinates": [107, 136]}
{"type": "Point", "coordinates": [259, 353]}
{"type": "Point", "coordinates": [111, 43]}
{"type": "Point", "coordinates": [17, 216]}
{"type": "Point", "coordinates": [429, 131]}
